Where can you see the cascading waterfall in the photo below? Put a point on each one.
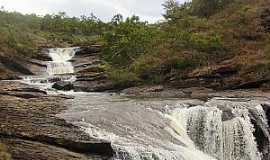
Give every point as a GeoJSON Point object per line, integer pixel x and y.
{"type": "Point", "coordinates": [219, 129]}
{"type": "Point", "coordinates": [222, 128]}
{"type": "Point", "coordinates": [59, 69]}
{"type": "Point", "coordinates": [60, 64]}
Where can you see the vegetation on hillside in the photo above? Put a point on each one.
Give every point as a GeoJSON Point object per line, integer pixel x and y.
{"type": "Point", "coordinates": [196, 34]}
{"type": "Point", "coordinates": [23, 34]}
{"type": "Point", "coordinates": [186, 39]}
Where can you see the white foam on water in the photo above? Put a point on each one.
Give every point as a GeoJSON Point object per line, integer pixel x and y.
{"type": "Point", "coordinates": [60, 63]}
{"type": "Point", "coordinates": [125, 149]}
{"type": "Point", "coordinates": [59, 69]}
{"type": "Point", "coordinates": [231, 139]}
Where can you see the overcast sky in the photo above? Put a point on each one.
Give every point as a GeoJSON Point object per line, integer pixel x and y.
{"type": "Point", "coordinates": [150, 10]}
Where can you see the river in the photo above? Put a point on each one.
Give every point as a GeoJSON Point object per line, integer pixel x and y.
{"type": "Point", "coordinates": [159, 128]}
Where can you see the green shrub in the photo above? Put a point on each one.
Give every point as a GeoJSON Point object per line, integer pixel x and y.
{"type": "Point", "coordinates": [192, 33]}
{"type": "Point", "coordinates": [127, 40]}
{"type": "Point", "coordinates": [204, 42]}
{"type": "Point", "coordinates": [182, 64]}
{"type": "Point", "coordinates": [120, 75]}
{"type": "Point", "coordinates": [23, 34]}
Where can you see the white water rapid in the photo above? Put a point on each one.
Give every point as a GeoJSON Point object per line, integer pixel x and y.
{"type": "Point", "coordinates": [219, 129]}
{"type": "Point", "coordinates": [59, 69]}
{"type": "Point", "coordinates": [164, 129]}
{"type": "Point", "coordinates": [60, 64]}
{"type": "Point", "coordinates": [222, 128]}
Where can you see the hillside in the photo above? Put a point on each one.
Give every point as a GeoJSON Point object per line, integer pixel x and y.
{"type": "Point", "coordinates": [195, 85]}
{"type": "Point", "coordinates": [224, 48]}
{"type": "Point", "coordinates": [228, 49]}
{"type": "Point", "coordinates": [244, 62]}
{"type": "Point", "coordinates": [23, 36]}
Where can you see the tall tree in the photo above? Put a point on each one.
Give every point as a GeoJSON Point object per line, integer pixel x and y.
{"type": "Point", "coordinates": [175, 10]}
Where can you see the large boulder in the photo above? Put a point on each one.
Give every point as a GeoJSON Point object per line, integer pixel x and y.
{"type": "Point", "coordinates": [63, 85]}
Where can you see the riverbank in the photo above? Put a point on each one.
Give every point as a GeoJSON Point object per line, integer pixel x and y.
{"type": "Point", "coordinates": [30, 129]}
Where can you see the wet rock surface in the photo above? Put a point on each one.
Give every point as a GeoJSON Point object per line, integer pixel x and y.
{"type": "Point", "coordinates": [140, 122]}
{"type": "Point", "coordinates": [63, 85]}
{"type": "Point", "coordinates": [30, 129]}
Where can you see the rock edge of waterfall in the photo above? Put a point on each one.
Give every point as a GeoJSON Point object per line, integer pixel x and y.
{"type": "Point", "coordinates": [30, 130]}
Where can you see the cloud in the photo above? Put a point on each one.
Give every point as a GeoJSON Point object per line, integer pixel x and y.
{"type": "Point", "coordinates": [150, 10]}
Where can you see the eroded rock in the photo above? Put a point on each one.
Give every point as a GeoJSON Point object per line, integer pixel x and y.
{"type": "Point", "coordinates": [4, 155]}
{"type": "Point", "coordinates": [30, 129]}
{"type": "Point", "coordinates": [63, 85]}
{"type": "Point", "coordinates": [89, 50]}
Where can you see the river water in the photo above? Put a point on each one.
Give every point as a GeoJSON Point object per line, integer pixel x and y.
{"type": "Point", "coordinates": [162, 129]}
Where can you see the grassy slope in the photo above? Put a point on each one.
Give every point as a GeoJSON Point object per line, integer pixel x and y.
{"type": "Point", "coordinates": [246, 39]}
{"type": "Point", "coordinates": [244, 34]}
{"type": "Point", "coordinates": [241, 26]}
{"type": "Point", "coordinates": [22, 36]}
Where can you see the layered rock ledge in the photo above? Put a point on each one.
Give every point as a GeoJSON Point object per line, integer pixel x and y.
{"type": "Point", "coordinates": [30, 130]}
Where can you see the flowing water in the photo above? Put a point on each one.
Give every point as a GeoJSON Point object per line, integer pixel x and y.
{"type": "Point", "coordinates": [59, 69]}
{"type": "Point", "coordinates": [165, 129]}
{"type": "Point", "coordinates": [170, 129]}
{"type": "Point", "coordinates": [60, 64]}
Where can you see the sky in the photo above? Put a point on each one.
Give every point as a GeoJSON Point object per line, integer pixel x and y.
{"type": "Point", "coordinates": [150, 10]}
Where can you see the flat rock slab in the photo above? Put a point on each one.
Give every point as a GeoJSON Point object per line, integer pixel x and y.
{"type": "Point", "coordinates": [192, 93]}
{"type": "Point", "coordinates": [32, 123]}
{"type": "Point", "coordinates": [29, 150]}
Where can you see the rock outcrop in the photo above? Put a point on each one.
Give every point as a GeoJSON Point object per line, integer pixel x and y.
{"type": "Point", "coordinates": [225, 76]}
{"type": "Point", "coordinates": [4, 155]}
{"type": "Point", "coordinates": [90, 76]}
{"type": "Point", "coordinates": [30, 129]}
{"type": "Point", "coordinates": [63, 85]}
{"type": "Point", "coordinates": [13, 67]}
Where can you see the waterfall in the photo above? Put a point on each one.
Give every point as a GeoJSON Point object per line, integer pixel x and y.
{"type": "Point", "coordinates": [60, 64]}
{"type": "Point", "coordinates": [59, 69]}
{"type": "Point", "coordinates": [222, 128]}
{"type": "Point", "coordinates": [154, 129]}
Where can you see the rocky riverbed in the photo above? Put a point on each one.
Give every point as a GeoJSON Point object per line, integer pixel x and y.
{"type": "Point", "coordinates": [144, 122]}
{"type": "Point", "coordinates": [35, 125]}
{"type": "Point", "coordinates": [30, 130]}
